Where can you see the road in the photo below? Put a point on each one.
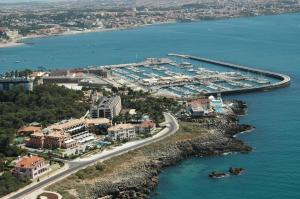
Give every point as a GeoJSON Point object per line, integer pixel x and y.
{"type": "Point", "coordinates": [171, 127]}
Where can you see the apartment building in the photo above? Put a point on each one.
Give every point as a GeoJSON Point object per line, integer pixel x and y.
{"type": "Point", "coordinates": [122, 132]}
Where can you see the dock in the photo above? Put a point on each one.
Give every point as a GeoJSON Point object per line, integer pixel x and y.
{"type": "Point", "coordinates": [284, 79]}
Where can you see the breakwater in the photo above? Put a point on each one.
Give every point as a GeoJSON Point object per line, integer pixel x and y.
{"type": "Point", "coordinates": [284, 80]}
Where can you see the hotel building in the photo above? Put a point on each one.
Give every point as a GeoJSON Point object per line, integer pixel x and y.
{"type": "Point", "coordinates": [106, 107]}
{"type": "Point", "coordinates": [67, 134]}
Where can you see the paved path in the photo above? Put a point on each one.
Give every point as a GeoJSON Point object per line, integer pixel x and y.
{"type": "Point", "coordinates": [75, 165]}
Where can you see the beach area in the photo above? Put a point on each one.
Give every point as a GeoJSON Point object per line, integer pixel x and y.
{"type": "Point", "coordinates": [20, 41]}
{"type": "Point", "coordinates": [11, 44]}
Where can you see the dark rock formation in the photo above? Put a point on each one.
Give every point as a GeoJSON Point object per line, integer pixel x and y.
{"type": "Point", "coordinates": [140, 180]}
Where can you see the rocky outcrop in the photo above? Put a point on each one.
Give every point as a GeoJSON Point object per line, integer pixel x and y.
{"type": "Point", "coordinates": [139, 180]}
{"type": "Point", "coordinates": [238, 107]}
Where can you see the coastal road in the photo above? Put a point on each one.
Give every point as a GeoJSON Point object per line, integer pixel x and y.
{"type": "Point", "coordinates": [75, 165]}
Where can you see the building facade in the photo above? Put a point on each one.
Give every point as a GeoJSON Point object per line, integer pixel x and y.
{"type": "Point", "coordinates": [199, 107]}
{"type": "Point", "coordinates": [122, 132]}
{"type": "Point", "coordinates": [67, 134]}
{"type": "Point", "coordinates": [147, 127]}
{"type": "Point", "coordinates": [31, 167]}
{"type": "Point", "coordinates": [106, 107]}
{"type": "Point", "coordinates": [10, 83]}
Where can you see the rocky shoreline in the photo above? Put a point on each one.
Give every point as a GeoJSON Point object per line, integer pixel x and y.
{"type": "Point", "coordinates": [140, 175]}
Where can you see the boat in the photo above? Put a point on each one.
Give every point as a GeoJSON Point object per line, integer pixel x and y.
{"type": "Point", "coordinates": [263, 81]}
{"type": "Point", "coordinates": [216, 174]}
{"type": "Point", "coordinates": [186, 64]}
{"type": "Point", "coordinates": [236, 171]}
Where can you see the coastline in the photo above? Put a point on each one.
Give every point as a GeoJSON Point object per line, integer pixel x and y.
{"type": "Point", "coordinates": [136, 173]}
{"type": "Point", "coordinates": [11, 44]}
{"type": "Point", "coordinates": [19, 41]}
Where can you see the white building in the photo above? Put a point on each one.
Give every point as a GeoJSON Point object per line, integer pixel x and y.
{"type": "Point", "coordinates": [217, 104]}
{"type": "Point", "coordinates": [10, 83]}
{"type": "Point", "coordinates": [31, 167]}
{"type": "Point", "coordinates": [106, 107]}
{"type": "Point", "coordinates": [122, 132]}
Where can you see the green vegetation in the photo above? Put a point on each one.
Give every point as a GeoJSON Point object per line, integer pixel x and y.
{"type": "Point", "coordinates": [9, 183]}
{"type": "Point", "coordinates": [145, 104]}
{"type": "Point", "coordinates": [3, 36]}
{"type": "Point", "coordinates": [90, 171]}
{"type": "Point", "coordinates": [47, 104]}
{"type": "Point", "coordinates": [7, 148]}
{"type": "Point", "coordinates": [110, 169]}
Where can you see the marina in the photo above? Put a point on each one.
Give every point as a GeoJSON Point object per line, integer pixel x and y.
{"type": "Point", "coordinates": [188, 76]}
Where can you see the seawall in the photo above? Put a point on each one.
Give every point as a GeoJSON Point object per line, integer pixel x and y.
{"type": "Point", "coordinates": [284, 80]}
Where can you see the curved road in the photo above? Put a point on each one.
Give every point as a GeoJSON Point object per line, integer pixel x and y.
{"type": "Point", "coordinates": [171, 127]}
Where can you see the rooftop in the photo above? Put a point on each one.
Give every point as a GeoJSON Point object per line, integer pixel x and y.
{"type": "Point", "coordinates": [60, 126]}
{"type": "Point", "coordinates": [66, 124]}
{"type": "Point", "coordinates": [107, 102]}
{"type": "Point", "coordinates": [121, 127]}
{"type": "Point", "coordinates": [15, 80]}
{"type": "Point", "coordinates": [197, 109]}
{"type": "Point", "coordinates": [97, 121]}
{"type": "Point", "coordinates": [37, 134]}
{"type": "Point", "coordinates": [147, 124]}
{"type": "Point", "coordinates": [29, 161]}
{"type": "Point", "coordinates": [198, 102]}
{"type": "Point", "coordinates": [69, 141]}
{"type": "Point", "coordinates": [29, 129]}
{"type": "Point", "coordinates": [58, 134]}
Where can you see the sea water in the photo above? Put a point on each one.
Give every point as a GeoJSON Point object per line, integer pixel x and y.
{"type": "Point", "coordinates": [267, 42]}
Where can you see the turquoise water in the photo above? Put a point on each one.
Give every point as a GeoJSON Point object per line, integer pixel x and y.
{"type": "Point", "coordinates": [271, 42]}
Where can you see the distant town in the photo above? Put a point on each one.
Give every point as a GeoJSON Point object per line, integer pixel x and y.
{"type": "Point", "coordinates": [36, 20]}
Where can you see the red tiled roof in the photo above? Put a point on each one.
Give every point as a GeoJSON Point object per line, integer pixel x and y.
{"type": "Point", "coordinates": [29, 129]}
{"type": "Point", "coordinates": [34, 74]}
{"type": "Point", "coordinates": [29, 161]}
{"type": "Point", "coordinates": [199, 102]}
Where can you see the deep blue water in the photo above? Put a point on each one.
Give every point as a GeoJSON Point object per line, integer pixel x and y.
{"type": "Point", "coordinates": [268, 42]}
